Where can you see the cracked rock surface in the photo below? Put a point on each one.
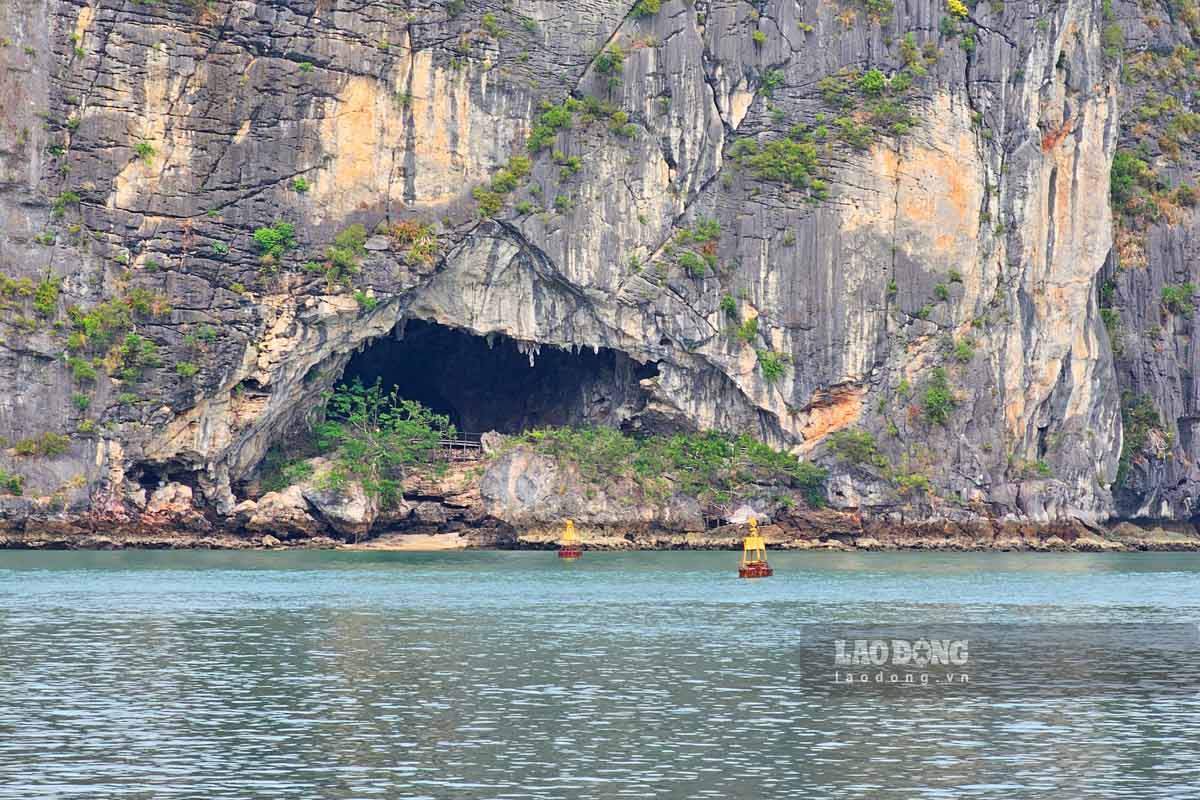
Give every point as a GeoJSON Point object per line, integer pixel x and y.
{"type": "Point", "coordinates": [143, 144]}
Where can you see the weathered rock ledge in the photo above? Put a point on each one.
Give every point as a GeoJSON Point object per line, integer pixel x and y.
{"type": "Point", "coordinates": [519, 502]}
{"type": "Point", "coordinates": [832, 531]}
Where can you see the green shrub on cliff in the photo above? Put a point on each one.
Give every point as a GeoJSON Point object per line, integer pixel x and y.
{"type": "Point", "coordinates": [342, 257]}
{"type": "Point", "coordinates": [278, 472]}
{"type": "Point", "coordinates": [145, 151]}
{"type": "Point", "coordinates": [938, 400]}
{"type": "Point", "coordinates": [1138, 418]}
{"type": "Point", "coordinates": [82, 370]}
{"type": "Point", "coordinates": [1112, 38]}
{"type": "Point", "coordinates": [781, 161]}
{"type": "Point", "coordinates": [135, 354]}
{"type": "Point", "coordinates": [710, 466]}
{"type": "Point", "coordinates": [872, 82]}
{"type": "Point", "coordinates": [1127, 172]}
{"type": "Point", "coordinates": [491, 26]}
{"type": "Point", "coordinates": [1112, 323]}
{"type": "Point", "coordinates": [275, 240]}
{"type": "Point", "coordinates": [47, 444]}
{"type": "Point", "coordinates": [63, 200]}
{"type": "Point", "coordinates": [552, 120]}
{"type": "Point", "coordinates": [729, 308]}
{"type": "Point", "coordinates": [45, 297]}
{"type": "Point", "coordinates": [857, 447]}
{"type": "Point", "coordinates": [877, 10]}
{"type": "Point", "coordinates": [378, 437]}
{"type": "Point", "coordinates": [11, 482]}
{"type": "Point", "coordinates": [693, 263]}
{"type": "Point", "coordinates": [748, 330]}
{"type": "Point", "coordinates": [1178, 299]}
{"type": "Point", "coordinates": [773, 366]}
{"type": "Point", "coordinates": [772, 79]}
{"type": "Point", "coordinates": [879, 104]}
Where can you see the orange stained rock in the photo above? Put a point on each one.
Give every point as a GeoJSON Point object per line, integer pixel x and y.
{"type": "Point", "coordinates": [832, 410]}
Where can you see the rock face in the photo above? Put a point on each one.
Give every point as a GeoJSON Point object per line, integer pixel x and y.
{"type": "Point", "coordinates": [804, 216]}
{"type": "Point", "coordinates": [533, 491]}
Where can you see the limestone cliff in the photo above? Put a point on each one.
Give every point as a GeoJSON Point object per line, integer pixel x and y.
{"type": "Point", "coordinates": [787, 218]}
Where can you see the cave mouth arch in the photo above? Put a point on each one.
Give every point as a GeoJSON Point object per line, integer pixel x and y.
{"type": "Point", "coordinates": [494, 382]}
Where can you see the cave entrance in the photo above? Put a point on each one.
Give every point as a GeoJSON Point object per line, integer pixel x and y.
{"type": "Point", "coordinates": [493, 382]}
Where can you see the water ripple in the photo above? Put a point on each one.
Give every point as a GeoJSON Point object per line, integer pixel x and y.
{"type": "Point", "coordinates": [502, 675]}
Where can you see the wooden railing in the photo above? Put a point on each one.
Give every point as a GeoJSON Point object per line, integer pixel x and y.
{"type": "Point", "coordinates": [463, 447]}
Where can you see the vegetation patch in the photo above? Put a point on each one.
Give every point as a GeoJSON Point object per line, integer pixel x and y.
{"type": "Point", "coordinates": [274, 241]}
{"type": "Point", "coordinates": [1178, 299]}
{"type": "Point", "coordinates": [378, 437]}
{"type": "Point", "coordinates": [714, 467]}
{"type": "Point", "coordinates": [870, 103]}
{"type": "Point", "coordinates": [1139, 419]}
{"type": "Point", "coordinates": [44, 445]}
{"type": "Point", "coordinates": [98, 327]}
{"type": "Point", "coordinates": [773, 366]}
{"type": "Point", "coordinates": [856, 447]}
{"type": "Point", "coordinates": [938, 400]}
{"type": "Point", "coordinates": [279, 472]}
{"type": "Point", "coordinates": [788, 161]}
{"type": "Point", "coordinates": [132, 357]}
{"type": "Point", "coordinates": [11, 482]}
{"type": "Point", "coordinates": [344, 257]}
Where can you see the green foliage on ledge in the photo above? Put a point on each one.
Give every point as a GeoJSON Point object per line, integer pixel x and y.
{"type": "Point", "coordinates": [1178, 299]}
{"type": "Point", "coordinates": [279, 472]}
{"type": "Point", "coordinates": [711, 466]}
{"type": "Point", "coordinates": [938, 400]}
{"type": "Point", "coordinates": [11, 482]}
{"type": "Point", "coordinates": [856, 447]}
{"type": "Point", "coordinates": [1138, 418]}
{"type": "Point", "coordinates": [275, 240]}
{"type": "Point", "coordinates": [871, 103]}
{"type": "Point", "coordinates": [773, 366]}
{"type": "Point", "coordinates": [378, 438]}
{"type": "Point", "coordinates": [553, 119]}
{"type": "Point", "coordinates": [784, 161]}
{"type": "Point", "coordinates": [44, 445]}
{"type": "Point", "coordinates": [343, 257]}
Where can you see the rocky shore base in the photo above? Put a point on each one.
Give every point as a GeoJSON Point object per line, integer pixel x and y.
{"type": "Point", "coordinates": [520, 501]}
{"type": "Point", "coordinates": [824, 530]}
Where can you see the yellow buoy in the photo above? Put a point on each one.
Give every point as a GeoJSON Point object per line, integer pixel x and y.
{"type": "Point", "coordinates": [754, 555]}
{"type": "Point", "coordinates": [569, 546]}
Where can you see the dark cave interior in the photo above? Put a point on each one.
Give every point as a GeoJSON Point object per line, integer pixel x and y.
{"type": "Point", "coordinates": [488, 383]}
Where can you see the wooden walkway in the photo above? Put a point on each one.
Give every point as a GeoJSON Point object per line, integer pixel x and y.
{"type": "Point", "coordinates": [464, 447]}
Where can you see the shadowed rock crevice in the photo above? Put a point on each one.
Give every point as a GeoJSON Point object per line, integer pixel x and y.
{"type": "Point", "coordinates": [498, 383]}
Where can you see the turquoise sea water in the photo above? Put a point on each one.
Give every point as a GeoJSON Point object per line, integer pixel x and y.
{"type": "Point", "coordinates": [511, 675]}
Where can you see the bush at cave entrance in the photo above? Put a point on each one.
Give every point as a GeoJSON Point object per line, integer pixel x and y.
{"type": "Point", "coordinates": [379, 437]}
{"type": "Point", "coordinates": [711, 466]}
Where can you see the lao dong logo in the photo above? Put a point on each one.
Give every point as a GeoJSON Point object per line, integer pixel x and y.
{"type": "Point", "coordinates": [901, 660]}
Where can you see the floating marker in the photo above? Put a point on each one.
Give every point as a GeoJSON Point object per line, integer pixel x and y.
{"type": "Point", "coordinates": [754, 555]}
{"type": "Point", "coordinates": [569, 547]}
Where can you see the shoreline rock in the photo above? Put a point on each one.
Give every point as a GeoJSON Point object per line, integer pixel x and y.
{"type": "Point", "coordinates": [88, 533]}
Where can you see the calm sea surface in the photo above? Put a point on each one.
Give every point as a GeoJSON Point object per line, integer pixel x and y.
{"type": "Point", "coordinates": [510, 675]}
